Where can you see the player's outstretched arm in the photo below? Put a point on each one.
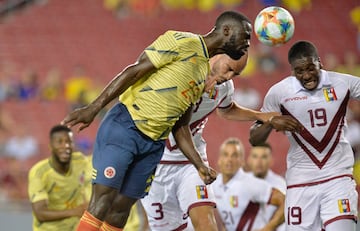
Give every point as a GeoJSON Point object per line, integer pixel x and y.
{"type": "Point", "coordinates": [44, 214]}
{"type": "Point", "coordinates": [130, 75]}
{"type": "Point", "coordinates": [183, 138]}
{"type": "Point", "coordinates": [277, 199]}
{"type": "Point", "coordinates": [237, 112]}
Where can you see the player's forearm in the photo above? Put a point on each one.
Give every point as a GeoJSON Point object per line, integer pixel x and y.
{"type": "Point", "coordinates": [53, 215]}
{"type": "Point", "coordinates": [236, 112]}
{"type": "Point", "coordinates": [277, 199]}
{"type": "Point", "coordinates": [259, 133]}
{"type": "Point", "coordinates": [185, 143]}
{"type": "Point", "coordinates": [277, 219]}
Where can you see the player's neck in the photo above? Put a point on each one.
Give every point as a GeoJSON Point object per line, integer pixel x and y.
{"type": "Point", "coordinates": [61, 168]}
{"type": "Point", "coordinates": [262, 175]}
{"type": "Point", "coordinates": [226, 178]}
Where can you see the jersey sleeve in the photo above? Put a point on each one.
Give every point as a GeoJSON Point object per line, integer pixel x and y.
{"type": "Point", "coordinates": [163, 50]}
{"type": "Point", "coordinates": [354, 86]}
{"type": "Point", "coordinates": [230, 95]}
{"type": "Point", "coordinates": [271, 101]}
{"type": "Point", "coordinates": [36, 188]}
{"type": "Point", "coordinates": [88, 177]}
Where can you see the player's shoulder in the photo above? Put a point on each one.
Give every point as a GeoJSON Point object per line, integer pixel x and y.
{"type": "Point", "coordinates": [282, 86]}
{"type": "Point", "coordinates": [276, 180]}
{"type": "Point", "coordinates": [229, 85]}
{"type": "Point", "coordinates": [79, 157]}
{"type": "Point", "coordinates": [179, 35]}
{"type": "Point", "coordinates": [226, 88]}
{"type": "Point", "coordinates": [40, 167]}
{"type": "Point", "coordinates": [340, 77]}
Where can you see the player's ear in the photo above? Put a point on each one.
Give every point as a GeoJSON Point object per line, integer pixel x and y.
{"type": "Point", "coordinates": [226, 29]}
{"type": "Point", "coordinates": [320, 64]}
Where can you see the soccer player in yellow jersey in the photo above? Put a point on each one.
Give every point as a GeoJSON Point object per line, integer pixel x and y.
{"type": "Point", "coordinates": [156, 97]}
{"type": "Point", "coordinates": [57, 184]}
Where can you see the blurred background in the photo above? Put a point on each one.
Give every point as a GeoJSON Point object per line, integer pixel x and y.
{"type": "Point", "coordinates": [57, 55]}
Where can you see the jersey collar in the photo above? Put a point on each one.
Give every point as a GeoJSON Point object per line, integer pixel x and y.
{"type": "Point", "coordinates": [205, 51]}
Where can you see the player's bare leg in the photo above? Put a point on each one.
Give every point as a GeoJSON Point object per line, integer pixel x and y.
{"type": "Point", "coordinates": [203, 218]}
{"type": "Point", "coordinates": [108, 205]}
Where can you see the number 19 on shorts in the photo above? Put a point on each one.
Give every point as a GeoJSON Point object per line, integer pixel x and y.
{"type": "Point", "coordinates": [294, 215]}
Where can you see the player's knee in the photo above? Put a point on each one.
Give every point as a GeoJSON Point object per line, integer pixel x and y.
{"type": "Point", "coordinates": [204, 224]}
{"type": "Point", "coordinates": [203, 218]}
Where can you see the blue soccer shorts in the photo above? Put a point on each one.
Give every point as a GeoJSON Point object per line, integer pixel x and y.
{"type": "Point", "coordinates": [124, 158]}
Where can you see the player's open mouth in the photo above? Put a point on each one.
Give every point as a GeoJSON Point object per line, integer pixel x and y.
{"type": "Point", "coordinates": [310, 84]}
{"type": "Point", "coordinates": [65, 154]}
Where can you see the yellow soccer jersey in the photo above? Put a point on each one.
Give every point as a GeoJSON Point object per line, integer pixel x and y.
{"type": "Point", "coordinates": [61, 191]}
{"type": "Point", "coordinates": [157, 101]}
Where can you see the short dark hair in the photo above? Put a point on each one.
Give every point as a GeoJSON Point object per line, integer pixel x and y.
{"type": "Point", "coordinates": [302, 49]}
{"type": "Point", "coordinates": [230, 16]}
{"type": "Point", "coordinates": [263, 145]}
{"type": "Point", "coordinates": [59, 128]}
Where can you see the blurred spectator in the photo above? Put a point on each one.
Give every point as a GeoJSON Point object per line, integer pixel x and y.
{"type": "Point", "coordinates": [251, 66]}
{"type": "Point", "coordinates": [331, 62]}
{"type": "Point", "coordinates": [8, 77]}
{"type": "Point", "coordinates": [77, 87]}
{"type": "Point", "coordinates": [296, 6]}
{"type": "Point", "coordinates": [28, 86]}
{"type": "Point", "coordinates": [120, 8]}
{"type": "Point", "coordinates": [5, 87]}
{"type": "Point", "coordinates": [22, 145]}
{"type": "Point", "coordinates": [52, 87]}
{"type": "Point", "coordinates": [247, 96]}
{"type": "Point", "coordinates": [355, 18]}
{"type": "Point", "coordinates": [351, 65]}
{"type": "Point", "coordinates": [267, 60]}
{"type": "Point", "coordinates": [230, 3]}
{"type": "Point", "coordinates": [7, 124]}
{"type": "Point", "coordinates": [18, 151]}
{"type": "Point", "coordinates": [84, 144]}
{"type": "Point", "coordinates": [148, 7]}
{"type": "Point", "coordinates": [270, 2]}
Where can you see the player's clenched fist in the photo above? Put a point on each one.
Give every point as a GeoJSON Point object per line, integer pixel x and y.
{"type": "Point", "coordinates": [207, 174]}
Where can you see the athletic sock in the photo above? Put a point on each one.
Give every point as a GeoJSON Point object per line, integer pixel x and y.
{"type": "Point", "coordinates": [89, 223]}
{"type": "Point", "coordinates": [106, 227]}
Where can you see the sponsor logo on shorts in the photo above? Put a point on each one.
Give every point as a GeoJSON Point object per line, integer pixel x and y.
{"type": "Point", "coordinates": [344, 205]}
{"type": "Point", "coordinates": [201, 192]}
{"type": "Point", "coordinates": [109, 172]}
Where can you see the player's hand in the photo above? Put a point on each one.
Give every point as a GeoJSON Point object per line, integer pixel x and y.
{"type": "Point", "coordinates": [83, 116]}
{"type": "Point", "coordinates": [207, 174]}
{"type": "Point", "coordinates": [285, 123]}
{"type": "Point", "coordinates": [79, 210]}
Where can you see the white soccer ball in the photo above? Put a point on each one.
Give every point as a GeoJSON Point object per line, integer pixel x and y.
{"type": "Point", "coordinates": [274, 26]}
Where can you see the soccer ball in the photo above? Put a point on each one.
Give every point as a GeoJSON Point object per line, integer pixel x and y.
{"type": "Point", "coordinates": [274, 26]}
